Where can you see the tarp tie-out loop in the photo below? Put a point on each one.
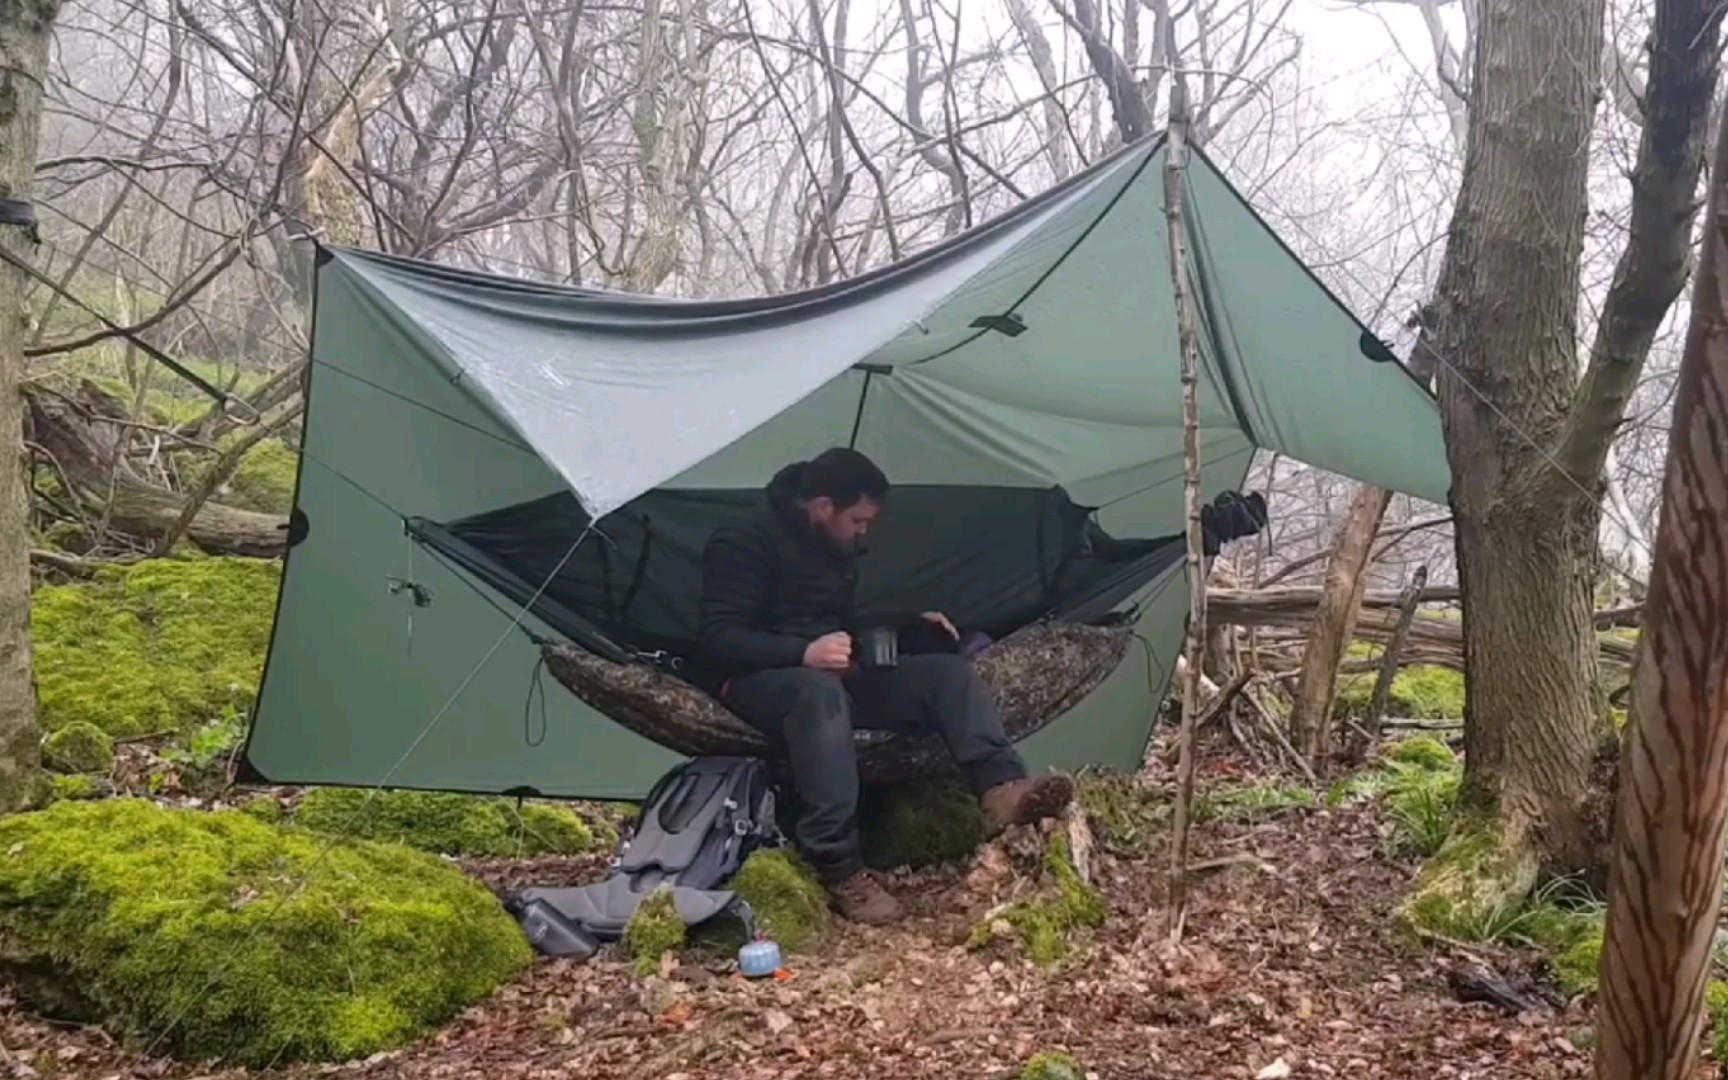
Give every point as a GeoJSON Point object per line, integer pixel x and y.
{"type": "Point", "coordinates": [1010, 324]}
{"type": "Point", "coordinates": [535, 686]}
{"type": "Point", "coordinates": [22, 213]}
{"type": "Point", "coordinates": [241, 410]}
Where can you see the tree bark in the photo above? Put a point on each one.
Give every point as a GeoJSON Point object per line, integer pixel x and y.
{"type": "Point", "coordinates": [25, 29]}
{"type": "Point", "coordinates": [1665, 883]}
{"type": "Point", "coordinates": [1506, 320]}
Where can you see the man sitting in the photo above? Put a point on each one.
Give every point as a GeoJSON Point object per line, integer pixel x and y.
{"type": "Point", "coordinates": [777, 595]}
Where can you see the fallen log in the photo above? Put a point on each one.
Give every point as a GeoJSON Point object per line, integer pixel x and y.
{"type": "Point", "coordinates": [70, 429]}
{"type": "Point", "coordinates": [1431, 639]}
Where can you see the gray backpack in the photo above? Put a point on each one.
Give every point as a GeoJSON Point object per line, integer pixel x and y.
{"type": "Point", "coordinates": [695, 829]}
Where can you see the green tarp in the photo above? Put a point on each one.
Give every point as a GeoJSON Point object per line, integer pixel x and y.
{"type": "Point", "coordinates": [1037, 351]}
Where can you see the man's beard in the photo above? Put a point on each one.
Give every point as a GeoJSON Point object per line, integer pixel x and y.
{"type": "Point", "coordinates": [843, 548]}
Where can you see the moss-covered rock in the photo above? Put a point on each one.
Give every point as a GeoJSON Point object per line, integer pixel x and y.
{"type": "Point", "coordinates": [919, 824]}
{"type": "Point", "coordinates": [789, 902]}
{"type": "Point", "coordinates": [1474, 888]}
{"type": "Point", "coordinates": [1052, 1066]}
{"type": "Point", "coordinates": [1045, 923]}
{"type": "Point", "coordinates": [79, 747]}
{"type": "Point", "coordinates": [446, 824]}
{"type": "Point", "coordinates": [164, 645]}
{"type": "Point", "coordinates": [654, 931]}
{"type": "Point", "coordinates": [266, 944]}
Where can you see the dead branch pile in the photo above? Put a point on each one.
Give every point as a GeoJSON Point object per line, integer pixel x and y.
{"type": "Point", "coordinates": [1433, 639]}
{"type": "Point", "coordinates": [115, 482]}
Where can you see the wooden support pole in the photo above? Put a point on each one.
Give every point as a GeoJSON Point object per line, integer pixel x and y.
{"type": "Point", "coordinates": [1176, 151]}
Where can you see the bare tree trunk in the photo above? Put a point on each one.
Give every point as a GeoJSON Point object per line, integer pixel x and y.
{"type": "Point", "coordinates": [1526, 437]}
{"type": "Point", "coordinates": [1334, 625]}
{"type": "Point", "coordinates": [1665, 885]}
{"type": "Point", "coordinates": [25, 29]}
{"type": "Point", "coordinates": [1507, 306]}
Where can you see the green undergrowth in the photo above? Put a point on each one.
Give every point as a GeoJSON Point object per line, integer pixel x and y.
{"type": "Point", "coordinates": [654, 930]}
{"type": "Point", "coordinates": [266, 943]}
{"type": "Point", "coordinates": [1716, 1009]}
{"type": "Point", "coordinates": [1251, 802]}
{"type": "Point", "coordinates": [470, 826]}
{"type": "Point", "coordinates": [1418, 782]}
{"type": "Point", "coordinates": [1421, 691]}
{"type": "Point", "coordinates": [1124, 815]}
{"type": "Point", "coordinates": [1479, 889]}
{"type": "Point", "coordinates": [166, 645]}
{"type": "Point", "coordinates": [1047, 923]}
{"type": "Point", "coordinates": [75, 788]}
{"type": "Point", "coordinates": [1052, 1066]}
{"type": "Point", "coordinates": [1475, 887]}
{"type": "Point", "coordinates": [918, 824]}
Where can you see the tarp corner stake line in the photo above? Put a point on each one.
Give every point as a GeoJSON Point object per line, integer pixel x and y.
{"type": "Point", "coordinates": [1034, 376]}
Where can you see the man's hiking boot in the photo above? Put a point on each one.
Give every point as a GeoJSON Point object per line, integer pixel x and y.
{"type": "Point", "coordinates": [1022, 802]}
{"type": "Point", "coordinates": [862, 898]}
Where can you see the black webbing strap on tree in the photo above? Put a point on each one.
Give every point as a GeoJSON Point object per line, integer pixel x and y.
{"type": "Point", "coordinates": [21, 213]}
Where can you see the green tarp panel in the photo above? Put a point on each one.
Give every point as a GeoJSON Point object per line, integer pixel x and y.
{"type": "Point", "coordinates": [1037, 351]}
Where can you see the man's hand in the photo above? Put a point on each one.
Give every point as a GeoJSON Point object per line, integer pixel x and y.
{"type": "Point", "coordinates": [830, 652]}
{"type": "Point", "coordinates": [941, 620]}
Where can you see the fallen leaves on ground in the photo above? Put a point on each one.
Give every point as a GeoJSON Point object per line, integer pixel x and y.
{"type": "Point", "coordinates": [1290, 968]}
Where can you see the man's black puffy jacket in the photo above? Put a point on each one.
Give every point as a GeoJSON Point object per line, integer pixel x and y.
{"type": "Point", "coordinates": [771, 586]}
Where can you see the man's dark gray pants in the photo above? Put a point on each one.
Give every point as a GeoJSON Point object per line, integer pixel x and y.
{"type": "Point", "coordinates": [813, 714]}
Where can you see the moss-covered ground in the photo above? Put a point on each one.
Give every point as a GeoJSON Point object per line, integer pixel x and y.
{"type": "Point", "coordinates": [266, 943]}
{"type": "Point", "coordinates": [166, 645]}
{"type": "Point", "coordinates": [1421, 691]}
{"type": "Point", "coordinates": [1052, 1066]}
{"type": "Point", "coordinates": [1047, 923]}
{"type": "Point", "coordinates": [447, 824]}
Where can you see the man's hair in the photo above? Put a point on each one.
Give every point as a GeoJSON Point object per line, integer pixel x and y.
{"type": "Point", "coordinates": [842, 475]}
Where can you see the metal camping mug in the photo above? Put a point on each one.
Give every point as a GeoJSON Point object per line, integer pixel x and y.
{"type": "Point", "coordinates": [879, 647]}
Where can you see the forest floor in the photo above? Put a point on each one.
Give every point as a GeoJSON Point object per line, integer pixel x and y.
{"type": "Point", "coordinates": [1290, 967]}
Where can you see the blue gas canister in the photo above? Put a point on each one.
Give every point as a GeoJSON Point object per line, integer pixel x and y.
{"type": "Point", "coordinates": [759, 959]}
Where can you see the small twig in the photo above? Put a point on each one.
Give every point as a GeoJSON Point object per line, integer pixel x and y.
{"type": "Point", "coordinates": [1282, 739]}
{"type": "Point", "coordinates": [959, 1035]}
